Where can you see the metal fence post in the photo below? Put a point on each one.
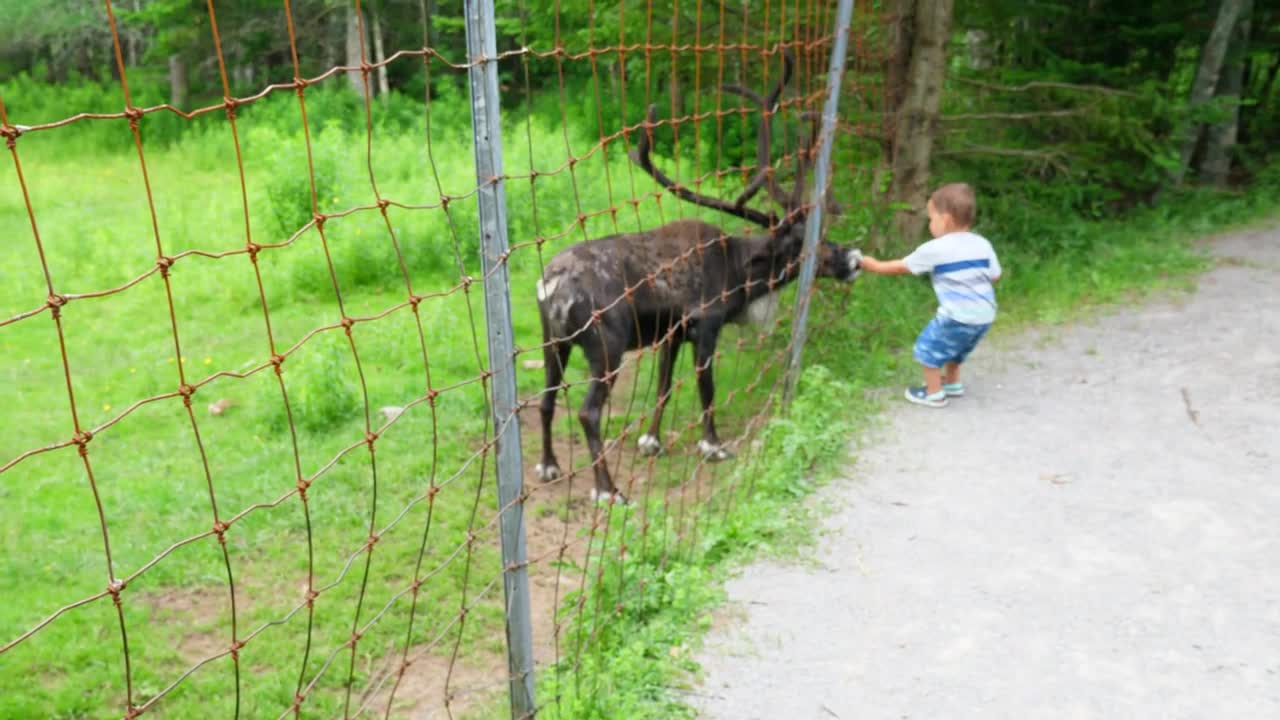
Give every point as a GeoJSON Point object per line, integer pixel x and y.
{"type": "Point", "coordinates": [487, 130]}
{"type": "Point", "coordinates": [813, 224]}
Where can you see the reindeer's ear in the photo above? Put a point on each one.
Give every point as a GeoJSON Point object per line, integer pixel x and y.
{"type": "Point", "coordinates": [761, 249]}
{"type": "Point", "coordinates": [793, 240]}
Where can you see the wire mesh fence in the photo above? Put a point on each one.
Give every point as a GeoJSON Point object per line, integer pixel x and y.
{"type": "Point", "coordinates": [258, 422]}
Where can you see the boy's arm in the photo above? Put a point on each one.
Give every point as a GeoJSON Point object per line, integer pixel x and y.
{"type": "Point", "coordinates": [884, 267]}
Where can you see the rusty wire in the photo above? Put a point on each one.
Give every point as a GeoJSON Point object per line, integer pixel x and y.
{"type": "Point", "coordinates": [591, 617]}
{"type": "Point", "coordinates": [685, 494]}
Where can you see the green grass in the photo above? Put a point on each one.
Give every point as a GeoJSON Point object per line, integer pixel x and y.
{"type": "Point", "coordinates": [94, 221]}
{"type": "Point", "coordinates": [95, 225]}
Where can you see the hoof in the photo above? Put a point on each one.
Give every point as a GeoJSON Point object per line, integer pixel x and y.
{"type": "Point", "coordinates": [546, 473]}
{"type": "Point", "coordinates": [609, 498]}
{"type": "Point", "coordinates": [650, 446]}
{"type": "Point", "coordinates": [713, 452]}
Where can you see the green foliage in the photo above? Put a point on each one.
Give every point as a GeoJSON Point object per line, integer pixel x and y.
{"type": "Point", "coordinates": [1084, 114]}
{"type": "Point", "coordinates": [668, 597]}
{"type": "Point", "coordinates": [1113, 39]}
{"type": "Point", "coordinates": [1091, 153]}
{"type": "Point", "coordinates": [304, 179]}
{"type": "Point", "coordinates": [813, 432]}
{"type": "Point", "coordinates": [29, 101]}
{"type": "Point", "coordinates": [322, 385]}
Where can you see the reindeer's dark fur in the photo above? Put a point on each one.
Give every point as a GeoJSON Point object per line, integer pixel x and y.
{"type": "Point", "coordinates": [678, 283]}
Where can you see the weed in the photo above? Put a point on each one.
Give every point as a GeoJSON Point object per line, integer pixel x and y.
{"type": "Point", "coordinates": [321, 387]}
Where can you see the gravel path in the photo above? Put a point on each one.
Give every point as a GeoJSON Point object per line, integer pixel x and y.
{"type": "Point", "coordinates": [1093, 533]}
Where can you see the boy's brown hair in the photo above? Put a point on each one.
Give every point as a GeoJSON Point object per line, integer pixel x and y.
{"type": "Point", "coordinates": [958, 201]}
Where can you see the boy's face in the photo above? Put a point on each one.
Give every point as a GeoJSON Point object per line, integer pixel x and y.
{"type": "Point", "coordinates": [940, 223]}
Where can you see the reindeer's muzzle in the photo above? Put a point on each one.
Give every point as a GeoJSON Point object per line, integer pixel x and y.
{"type": "Point", "coordinates": [853, 261]}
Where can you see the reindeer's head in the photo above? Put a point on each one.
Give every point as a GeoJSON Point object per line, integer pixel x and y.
{"type": "Point", "coordinates": [781, 248]}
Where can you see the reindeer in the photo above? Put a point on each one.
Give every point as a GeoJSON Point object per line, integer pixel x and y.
{"type": "Point", "coordinates": [681, 282]}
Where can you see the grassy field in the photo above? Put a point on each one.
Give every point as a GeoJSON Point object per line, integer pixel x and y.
{"type": "Point", "coordinates": [156, 483]}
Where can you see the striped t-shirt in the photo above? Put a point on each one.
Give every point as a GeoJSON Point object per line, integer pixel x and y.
{"type": "Point", "coordinates": [963, 266]}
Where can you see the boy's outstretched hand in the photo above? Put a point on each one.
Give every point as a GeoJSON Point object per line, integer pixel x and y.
{"type": "Point", "coordinates": [884, 267]}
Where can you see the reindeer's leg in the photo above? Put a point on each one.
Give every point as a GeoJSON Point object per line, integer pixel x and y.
{"type": "Point", "coordinates": [605, 357]}
{"type": "Point", "coordinates": [650, 442]}
{"type": "Point", "coordinates": [555, 355]}
{"type": "Point", "coordinates": [704, 356]}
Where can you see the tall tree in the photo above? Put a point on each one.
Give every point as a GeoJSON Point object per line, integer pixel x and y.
{"type": "Point", "coordinates": [177, 81]}
{"type": "Point", "coordinates": [1208, 74]}
{"type": "Point", "coordinates": [68, 36]}
{"type": "Point", "coordinates": [1221, 139]}
{"type": "Point", "coordinates": [917, 111]}
{"type": "Point", "coordinates": [354, 45]}
{"type": "Point", "coordinates": [379, 55]}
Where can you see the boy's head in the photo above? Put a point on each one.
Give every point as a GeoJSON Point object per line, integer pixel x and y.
{"type": "Point", "coordinates": [951, 208]}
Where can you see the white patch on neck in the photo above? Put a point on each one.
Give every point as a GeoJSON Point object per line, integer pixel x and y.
{"type": "Point", "coordinates": [761, 312]}
{"type": "Point", "coordinates": [546, 289]}
{"type": "Point", "coordinates": [556, 302]}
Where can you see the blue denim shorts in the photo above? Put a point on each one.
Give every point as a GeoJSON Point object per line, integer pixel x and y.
{"type": "Point", "coordinates": [944, 341]}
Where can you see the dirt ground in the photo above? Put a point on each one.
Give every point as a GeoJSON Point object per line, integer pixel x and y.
{"type": "Point", "coordinates": [1094, 532]}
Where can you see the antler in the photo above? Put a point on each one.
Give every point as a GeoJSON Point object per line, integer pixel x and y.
{"type": "Point", "coordinates": [641, 157]}
{"type": "Point", "coordinates": [764, 174]}
{"type": "Point", "coordinates": [808, 146]}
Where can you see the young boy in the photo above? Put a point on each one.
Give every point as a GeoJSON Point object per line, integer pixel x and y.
{"type": "Point", "coordinates": [964, 271]}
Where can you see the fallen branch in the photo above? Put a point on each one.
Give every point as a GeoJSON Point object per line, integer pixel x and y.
{"type": "Point", "coordinates": [1035, 84]}
{"type": "Point", "coordinates": [1050, 157]}
{"type": "Point", "coordinates": [1014, 116]}
{"type": "Point", "coordinates": [1192, 413]}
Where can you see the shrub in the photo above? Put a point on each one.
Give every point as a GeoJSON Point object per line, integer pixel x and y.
{"type": "Point", "coordinates": [319, 380]}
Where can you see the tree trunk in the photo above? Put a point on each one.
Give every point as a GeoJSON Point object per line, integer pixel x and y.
{"type": "Point", "coordinates": [676, 92]}
{"type": "Point", "coordinates": [109, 58]}
{"type": "Point", "coordinates": [1223, 136]}
{"type": "Point", "coordinates": [134, 36]}
{"type": "Point", "coordinates": [917, 118]}
{"type": "Point", "coordinates": [613, 71]}
{"type": "Point", "coordinates": [354, 45]}
{"type": "Point", "coordinates": [428, 34]}
{"type": "Point", "coordinates": [1264, 95]}
{"type": "Point", "coordinates": [242, 77]}
{"type": "Point", "coordinates": [902, 13]}
{"type": "Point", "coordinates": [900, 17]}
{"type": "Point", "coordinates": [378, 54]}
{"type": "Point", "coordinates": [1259, 91]}
{"type": "Point", "coordinates": [978, 51]}
{"type": "Point", "coordinates": [177, 82]}
{"type": "Point", "coordinates": [1206, 82]}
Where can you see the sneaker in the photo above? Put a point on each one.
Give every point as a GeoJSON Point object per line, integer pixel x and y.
{"type": "Point", "coordinates": [953, 389]}
{"type": "Point", "coordinates": [920, 396]}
